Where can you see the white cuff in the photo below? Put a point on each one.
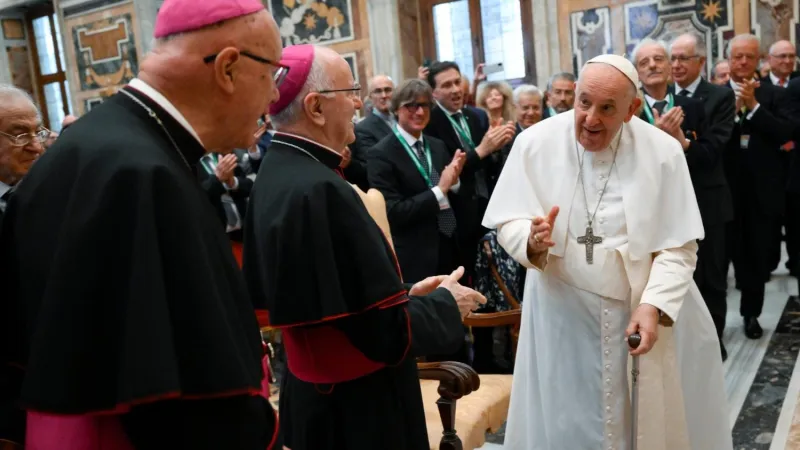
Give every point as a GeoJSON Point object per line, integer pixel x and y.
{"type": "Point", "coordinates": [440, 197]}
{"type": "Point", "coordinates": [750, 114]}
{"type": "Point", "coordinates": [235, 185]}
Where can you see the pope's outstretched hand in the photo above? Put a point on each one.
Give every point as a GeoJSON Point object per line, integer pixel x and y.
{"type": "Point", "coordinates": [540, 238]}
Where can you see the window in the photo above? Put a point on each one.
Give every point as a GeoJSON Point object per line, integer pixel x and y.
{"type": "Point", "coordinates": [471, 32]}
{"type": "Point", "coordinates": [47, 51]}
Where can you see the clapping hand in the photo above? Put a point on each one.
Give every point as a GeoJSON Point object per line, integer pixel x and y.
{"type": "Point", "coordinates": [452, 171]}
{"type": "Point", "coordinates": [225, 168]}
{"type": "Point", "coordinates": [746, 94]}
{"type": "Point", "coordinates": [468, 300]}
{"type": "Point", "coordinates": [540, 238]}
{"type": "Point", "coordinates": [671, 121]}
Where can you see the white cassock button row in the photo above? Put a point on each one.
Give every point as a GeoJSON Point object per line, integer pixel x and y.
{"type": "Point", "coordinates": [608, 367]}
{"type": "Point", "coordinates": [606, 325]}
{"type": "Point", "coordinates": [606, 338]}
{"type": "Point", "coordinates": [607, 352]}
{"type": "Point", "coordinates": [605, 311]}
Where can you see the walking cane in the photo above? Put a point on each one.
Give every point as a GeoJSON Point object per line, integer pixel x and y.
{"type": "Point", "coordinates": [633, 341]}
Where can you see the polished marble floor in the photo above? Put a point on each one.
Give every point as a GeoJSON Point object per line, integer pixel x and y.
{"type": "Point", "coordinates": [762, 377]}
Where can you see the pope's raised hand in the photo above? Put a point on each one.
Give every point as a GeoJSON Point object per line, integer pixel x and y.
{"type": "Point", "coordinates": [540, 238]}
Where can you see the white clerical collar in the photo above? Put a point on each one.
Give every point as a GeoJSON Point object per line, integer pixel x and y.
{"type": "Point", "coordinates": [165, 104]}
{"type": "Point", "coordinates": [408, 137]}
{"type": "Point", "coordinates": [691, 88]}
{"type": "Point", "coordinates": [311, 141]}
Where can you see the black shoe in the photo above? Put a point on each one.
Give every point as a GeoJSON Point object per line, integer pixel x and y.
{"type": "Point", "coordinates": [723, 351]}
{"type": "Point", "coordinates": [752, 329]}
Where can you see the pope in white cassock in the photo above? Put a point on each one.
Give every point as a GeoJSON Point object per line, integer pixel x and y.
{"type": "Point", "coordinates": [599, 206]}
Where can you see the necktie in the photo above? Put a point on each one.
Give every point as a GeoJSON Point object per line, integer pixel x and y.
{"type": "Point", "coordinates": [446, 219]}
{"type": "Point", "coordinates": [659, 106]}
{"type": "Point", "coordinates": [683, 92]}
{"type": "Point", "coordinates": [782, 82]}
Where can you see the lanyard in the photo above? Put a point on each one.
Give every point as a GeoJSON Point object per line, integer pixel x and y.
{"type": "Point", "coordinates": [552, 112]}
{"type": "Point", "coordinates": [462, 129]}
{"type": "Point", "coordinates": [426, 175]}
{"type": "Point", "coordinates": [207, 165]}
{"type": "Point", "coordinates": [649, 113]}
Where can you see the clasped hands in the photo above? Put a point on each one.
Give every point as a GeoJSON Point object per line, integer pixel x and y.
{"type": "Point", "coordinates": [645, 317]}
{"type": "Point", "coordinates": [468, 300]}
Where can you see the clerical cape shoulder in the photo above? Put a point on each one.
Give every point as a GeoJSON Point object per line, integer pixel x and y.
{"type": "Point", "coordinates": [542, 170]}
{"type": "Point", "coordinates": [312, 251]}
{"type": "Point", "coordinates": [122, 288]}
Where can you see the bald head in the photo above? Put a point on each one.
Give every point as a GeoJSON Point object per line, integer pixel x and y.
{"type": "Point", "coordinates": [324, 117]}
{"type": "Point", "coordinates": [18, 117]}
{"type": "Point", "coordinates": [381, 88]}
{"type": "Point", "coordinates": [221, 77]}
{"type": "Point", "coordinates": [605, 100]}
{"type": "Point", "coordinates": [782, 59]}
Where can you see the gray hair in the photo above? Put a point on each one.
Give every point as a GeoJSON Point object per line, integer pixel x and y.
{"type": "Point", "coordinates": [714, 69]}
{"type": "Point", "coordinates": [371, 82]}
{"type": "Point", "coordinates": [10, 93]}
{"type": "Point", "coordinates": [559, 76]}
{"type": "Point", "coordinates": [645, 42]}
{"type": "Point", "coordinates": [741, 38]}
{"type": "Point", "coordinates": [409, 91]}
{"type": "Point", "coordinates": [318, 80]}
{"type": "Point", "coordinates": [699, 49]}
{"type": "Point", "coordinates": [526, 89]}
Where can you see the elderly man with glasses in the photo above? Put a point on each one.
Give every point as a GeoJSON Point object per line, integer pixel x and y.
{"type": "Point", "coordinates": [119, 283]}
{"type": "Point", "coordinates": [22, 138]}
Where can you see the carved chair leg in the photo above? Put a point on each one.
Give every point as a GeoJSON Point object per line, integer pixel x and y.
{"type": "Point", "coordinates": [447, 411]}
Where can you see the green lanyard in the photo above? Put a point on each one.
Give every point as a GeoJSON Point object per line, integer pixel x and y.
{"type": "Point", "coordinates": [649, 113]}
{"type": "Point", "coordinates": [462, 129]}
{"type": "Point", "coordinates": [552, 112]}
{"type": "Point", "coordinates": [209, 168]}
{"type": "Point", "coordinates": [415, 158]}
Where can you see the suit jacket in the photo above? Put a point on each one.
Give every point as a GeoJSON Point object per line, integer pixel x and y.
{"type": "Point", "coordinates": [470, 214]}
{"type": "Point", "coordinates": [704, 156]}
{"type": "Point", "coordinates": [768, 80]}
{"type": "Point", "coordinates": [793, 109]}
{"type": "Point", "coordinates": [368, 133]}
{"type": "Point", "coordinates": [761, 166]}
{"type": "Point", "coordinates": [215, 189]}
{"type": "Point", "coordinates": [411, 205]}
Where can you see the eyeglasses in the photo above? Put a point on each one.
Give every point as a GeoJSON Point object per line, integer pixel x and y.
{"type": "Point", "coordinates": [414, 106]}
{"type": "Point", "coordinates": [683, 59]}
{"type": "Point", "coordinates": [353, 91]}
{"type": "Point", "coordinates": [784, 56]}
{"type": "Point", "coordinates": [21, 140]}
{"type": "Point", "coordinates": [281, 69]}
{"type": "Point", "coordinates": [379, 91]}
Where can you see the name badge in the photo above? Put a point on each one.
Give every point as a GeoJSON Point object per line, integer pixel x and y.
{"type": "Point", "coordinates": [744, 141]}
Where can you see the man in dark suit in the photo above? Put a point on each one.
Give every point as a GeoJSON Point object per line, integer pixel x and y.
{"type": "Point", "coordinates": [460, 129]}
{"type": "Point", "coordinates": [418, 195]}
{"type": "Point", "coordinates": [377, 125]}
{"type": "Point", "coordinates": [560, 94]}
{"type": "Point", "coordinates": [228, 189]}
{"type": "Point", "coordinates": [782, 62]}
{"type": "Point", "coordinates": [754, 166]}
{"type": "Point", "coordinates": [684, 119]}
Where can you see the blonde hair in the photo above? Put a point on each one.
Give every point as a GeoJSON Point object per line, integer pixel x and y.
{"type": "Point", "coordinates": [505, 90]}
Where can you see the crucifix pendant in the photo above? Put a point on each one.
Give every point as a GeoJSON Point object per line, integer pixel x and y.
{"type": "Point", "coordinates": [589, 240]}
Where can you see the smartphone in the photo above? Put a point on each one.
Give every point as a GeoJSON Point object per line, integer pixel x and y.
{"type": "Point", "coordinates": [426, 62]}
{"type": "Point", "coordinates": [489, 69]}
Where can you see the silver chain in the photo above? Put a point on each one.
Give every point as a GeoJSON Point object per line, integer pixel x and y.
{"type": "Point", "coordinates": [161, 124]}
{"type": "Point", "coordinates": [582, 158]}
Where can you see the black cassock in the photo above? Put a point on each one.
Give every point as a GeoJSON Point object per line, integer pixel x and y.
{"type": "Point", "coordinates": [319, 265]}
{"type": "Point", "coordinates": [121, 293]}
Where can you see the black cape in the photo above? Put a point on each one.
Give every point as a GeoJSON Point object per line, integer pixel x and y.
{"type": "Point", "coordinates": [313, 257]}
{"type": "Point", "coordinates": [122, 293]}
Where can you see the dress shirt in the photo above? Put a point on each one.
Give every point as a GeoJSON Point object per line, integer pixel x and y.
{"type": "Point", "coordinates": [444, 203]}
{"type": "Point", "coordinates": [690, 89]}
{"type": "Point", "coordinates": [3, 189]}
{"type": "Point", "coordinates": [777, 81]}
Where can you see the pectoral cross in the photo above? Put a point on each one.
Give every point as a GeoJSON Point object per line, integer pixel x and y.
{"type": "Point", "coordinates": [589, 240]}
